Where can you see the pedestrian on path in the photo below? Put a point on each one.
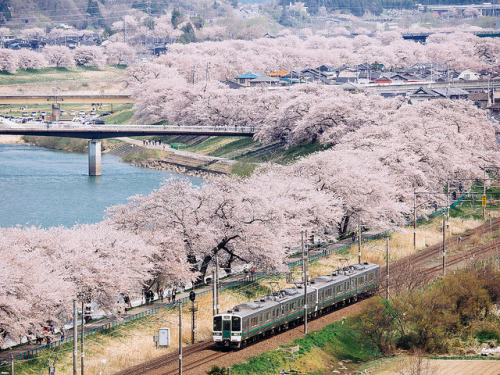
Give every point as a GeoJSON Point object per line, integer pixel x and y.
{"type": "Point", "coordinates": [161, 294]}
{"type": "Point", "coordinates": [174, 292]}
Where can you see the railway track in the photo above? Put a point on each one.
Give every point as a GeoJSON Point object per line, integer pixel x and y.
{"type": "Point", "coordinates": [196, 356]}
{"type": "Point", "coordinates": [167, 360]}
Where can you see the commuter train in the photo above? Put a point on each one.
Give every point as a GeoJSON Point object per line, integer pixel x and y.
{"type": "Point", "coordinates": [272, 313]}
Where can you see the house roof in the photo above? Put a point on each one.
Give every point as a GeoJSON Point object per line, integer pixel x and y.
{"type": "Point", "coordinates": [249, 75]}
{"type": "Point", "coordinates": [451, 91]}
{"type": "Point", "coordinates": [478, 96]}
{"type": "Point", "coordinates": [278, 73]}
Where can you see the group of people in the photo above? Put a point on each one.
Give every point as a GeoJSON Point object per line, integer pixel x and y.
{"type": "Point", "coordinates": [169, 295]}
{"type": "Point", "coordinates": [151, 142]}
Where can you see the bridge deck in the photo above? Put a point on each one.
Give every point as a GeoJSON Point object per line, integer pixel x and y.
{"type": "Point", "coordinates": [73, 130]}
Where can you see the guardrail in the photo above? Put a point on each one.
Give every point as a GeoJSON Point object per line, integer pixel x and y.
{"type": "Point", "coordinates": [29, 126]}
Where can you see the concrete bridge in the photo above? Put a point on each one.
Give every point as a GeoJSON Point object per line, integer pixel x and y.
{"type": "Point", "coordinates": [97, 132]}
{"type": "Point", "coordinates": [65, 97]}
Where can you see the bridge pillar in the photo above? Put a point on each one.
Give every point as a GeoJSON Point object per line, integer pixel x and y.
{"type": "Point", "coordinates": [94, 158]}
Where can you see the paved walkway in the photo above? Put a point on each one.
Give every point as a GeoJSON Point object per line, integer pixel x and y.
{"type": "Point", "coordinates": [166, 147]}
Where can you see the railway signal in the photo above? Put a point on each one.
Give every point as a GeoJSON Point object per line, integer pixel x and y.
{"type": "Point", "coordinates": [484, 200]}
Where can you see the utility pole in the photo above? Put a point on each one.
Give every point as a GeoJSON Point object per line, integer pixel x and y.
{"type": "Point", "coordinates": [484, 192]}
{"type": "Point", "coordinates": [11, 364]}
{"type": "Point", "coordinates": [214, 292]}
{"type": "Point", "coordinates": [444, 244]}
{"type": "Point", "coordinates": [83, 337]}
{"type": "Point", "coordinates": [75, 337]}
{"type": "Point", "coordinates": [304, 278]}
{"type": "Point", "coordinates": [387, 268]}
{"type": "Point", "coordinates": [359, 241]}
{"type": "Point", "coordinates": [180, 337]}
{"type": "Point", "coordinates": [414, 219]}
{"type": "Point", "coordinates": [217, 284]}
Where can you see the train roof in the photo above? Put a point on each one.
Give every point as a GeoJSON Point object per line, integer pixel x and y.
{"type": "Point", "coordinates": [284, 295]}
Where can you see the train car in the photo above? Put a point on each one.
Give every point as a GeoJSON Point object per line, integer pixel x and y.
{"type": "Point", "coordinates": [249, 321]}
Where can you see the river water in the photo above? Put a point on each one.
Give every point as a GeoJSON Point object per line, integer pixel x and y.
{"type": "Point", "coordinates": [51, 188]}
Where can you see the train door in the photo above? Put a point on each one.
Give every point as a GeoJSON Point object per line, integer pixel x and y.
{"type": "Point", "coordinates": [226, 327]}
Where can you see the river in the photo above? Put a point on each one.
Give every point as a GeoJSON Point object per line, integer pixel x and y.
{"type": "Point", "coordinates": [49, 188]}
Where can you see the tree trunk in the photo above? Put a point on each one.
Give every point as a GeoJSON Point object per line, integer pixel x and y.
{"type": "Point", "coordinates": [342, 227]}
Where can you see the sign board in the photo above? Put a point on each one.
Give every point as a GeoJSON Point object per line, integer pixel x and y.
{"type": "Point", "coordinates": [484, 200]}
{"type": "Point", "coordinates": [164, 337]}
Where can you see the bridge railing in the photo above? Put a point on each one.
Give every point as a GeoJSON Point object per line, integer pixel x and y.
{"type": "Point", "coordinates": [126, 128]}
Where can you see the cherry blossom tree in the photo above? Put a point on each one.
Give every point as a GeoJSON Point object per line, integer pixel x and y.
{"type": "Point", "coordinates": [60, 56]}
{"type": "Point", "coordinates": [90, 56]}
{"type": "Point", "coordinates": [120, 54]}
{"type": "Point", "coordinates": [8, 60]}
{"type": "Point", "coordinates": [28, 59]}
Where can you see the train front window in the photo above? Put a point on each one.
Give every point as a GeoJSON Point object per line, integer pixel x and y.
{"type": "Point", "coordinates": [218, 323]}
{"type": "Point", "coordinates": [236, 323]}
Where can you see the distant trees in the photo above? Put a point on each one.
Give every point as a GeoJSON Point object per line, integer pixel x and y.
{"type": "Point", "coordinates": [27, 59]}
{"type": "Point", "coordinates": [8, 60]}
{"type": "Point", "coordinates": [90, 56]}
{"type": "Point", "coordinates": [120, 54]}
{"type": "Point", "coordinates": [59, 56]}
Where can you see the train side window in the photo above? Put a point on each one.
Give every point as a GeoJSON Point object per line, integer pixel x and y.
{"type": "Point", "coordinates": [292, 307]}
{"type": "Point", "coordinates": [254, 321]}
{"type": "Point", "coordinates": [282, 309]}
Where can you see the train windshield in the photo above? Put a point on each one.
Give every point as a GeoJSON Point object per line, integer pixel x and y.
{"type": "Point", "coordinates": [236, 323]}
{"type": "Point", "coordinates": [218, 323]}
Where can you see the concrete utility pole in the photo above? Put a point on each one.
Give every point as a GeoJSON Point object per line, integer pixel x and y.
{"type": "Point", "coordinates": [359, 241]}
{"type": "Point", "coordinates": [11, 364]}
{"type": "Point", "coordinates": [444, 244]}
{"type": "Point", "coordinates": [387, 268]}
{"type": "Point", "coordinates": [180, 338]}
{"type": "Point", "coordinates": [484, 192]}
{"type": "Point", "coordinates": [83, 337]}
{"type": "Point", "coordinates": [304, 278]}
{"type": "Point", "coordinates": [217, 284]}
{"type": "Point", "coordinates": [214, 292]}
{"type": "Point", "coordinates": [75, 337]}
{"type": "Point", "coordinates": [414, 219]}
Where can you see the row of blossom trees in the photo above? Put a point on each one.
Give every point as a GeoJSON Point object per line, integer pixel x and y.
{"type": "Point", "coordinates": [61, 56]}
{"type": "Point", "coordinates": [230, 58]}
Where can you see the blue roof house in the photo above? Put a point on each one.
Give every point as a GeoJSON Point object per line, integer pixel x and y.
{"type": "Point", "coordinates": [245, 79]}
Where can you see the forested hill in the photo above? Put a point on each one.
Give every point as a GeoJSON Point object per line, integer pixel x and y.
{"type": "Point", "coordinates": [359, 7]}
{"type": "Point", "coordinates": [79, 13]}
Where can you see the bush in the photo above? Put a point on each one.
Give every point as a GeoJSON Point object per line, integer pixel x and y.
{"type": "Point", "coordinates": [487, 335]}
{"type": "Point", "coordinates": [409, 341]}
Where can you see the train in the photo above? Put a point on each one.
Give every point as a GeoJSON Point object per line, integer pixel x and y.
{"type": "Point", "coordinates": [250, 321]}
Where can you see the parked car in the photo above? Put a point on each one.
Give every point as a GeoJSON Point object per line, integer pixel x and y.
{"type": "Point", "coordinates": [63, 112]}
{"type": "Point", "coordinates": [81, 113]}
{"type": "Point", "coordinates": [72, 113]}
{"type": "Point", "coordinates": [43, 113]}
{"type": "Point", "coordinates": [25, 114]}
{"type": "Point", "coordinates": [34, 113]}
{"type": "Point", "coordinates": [105, 114]}
{"type": "Point", "coordinates": [98, 122]}
{"type": "Point", "coordinates": [92, 113]}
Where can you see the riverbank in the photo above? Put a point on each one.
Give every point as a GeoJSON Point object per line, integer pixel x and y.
{"type": "Point", "coordinates": [11, 140]}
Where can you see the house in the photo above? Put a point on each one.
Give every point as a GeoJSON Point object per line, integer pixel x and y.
{"type": "Point", "coordinates": [245, 79]}
{"type": "Point", "coordinates": [469, 75]}
{"type": "Point", "coordinates": [314, 75]}
{"type": "Point", "coordinates": [278, 73]}
{"type": "Point", "coordinates": [264, 81]}
{"type": "Point", "coordinates": [424, 94]}
{"type": "Point", "coordinates": [480, 99]}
